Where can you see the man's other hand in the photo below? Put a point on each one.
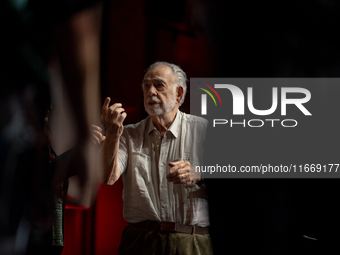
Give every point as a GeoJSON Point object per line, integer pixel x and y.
{"type": "Point", "coordinates": [97, 137]}
{"type": "Point", "coordinates": [182, 172]}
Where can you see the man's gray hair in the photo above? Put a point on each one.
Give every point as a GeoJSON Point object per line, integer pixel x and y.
{"type": "Point", "coordinates": [180, 75]}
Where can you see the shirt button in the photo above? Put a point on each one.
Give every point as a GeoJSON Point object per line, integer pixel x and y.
{"type": "Point", "coordinates": [162, 164]}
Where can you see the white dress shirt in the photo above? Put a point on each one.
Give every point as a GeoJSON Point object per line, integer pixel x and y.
{"type": "Point", "coordinates": [143, 160]}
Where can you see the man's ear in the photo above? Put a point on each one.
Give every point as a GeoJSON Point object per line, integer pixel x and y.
{"type": "Point", "coordinates": [180, 93]}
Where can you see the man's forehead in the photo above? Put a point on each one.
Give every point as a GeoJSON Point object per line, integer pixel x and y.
{"type": "Point", "coordinates": [158, 73]}
{"type": "Point", "coordinates": [153, 79]}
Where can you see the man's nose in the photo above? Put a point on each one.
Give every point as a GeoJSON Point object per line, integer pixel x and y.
{"type": "Point", "coordinates": [152, 91]}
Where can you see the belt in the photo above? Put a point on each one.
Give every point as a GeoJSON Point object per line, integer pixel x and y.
{"type": "Point", "coordinates": [171, 227]}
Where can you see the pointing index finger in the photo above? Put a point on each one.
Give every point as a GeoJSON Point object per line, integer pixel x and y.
{"type": "Point", "coordinates": [106, 103]}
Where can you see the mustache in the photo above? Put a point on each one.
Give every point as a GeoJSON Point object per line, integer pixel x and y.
{"type": "Point", "coordinates": [153, 98]}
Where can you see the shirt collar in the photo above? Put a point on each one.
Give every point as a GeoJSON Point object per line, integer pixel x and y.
{"type": "Point", "coordinates": [174, 128]}
{"type": "Point", "coordinates": [151, 126]}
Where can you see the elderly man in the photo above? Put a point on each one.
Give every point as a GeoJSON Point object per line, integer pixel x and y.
{"type": "Point", "coordinates": [165, 204]}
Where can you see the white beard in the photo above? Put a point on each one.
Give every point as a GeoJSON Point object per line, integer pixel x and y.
{"type": "Point", "coordinates": [162, 108]}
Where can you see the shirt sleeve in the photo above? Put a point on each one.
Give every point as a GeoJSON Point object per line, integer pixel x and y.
{"type": "Point", "coordinates": [123, 153]}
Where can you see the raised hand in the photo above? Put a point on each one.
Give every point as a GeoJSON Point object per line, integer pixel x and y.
{"type": "Point", "coordinates": [113, 117]}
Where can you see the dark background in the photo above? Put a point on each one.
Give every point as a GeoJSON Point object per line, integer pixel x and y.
{"type": "Point", "coordinates": [275, 39]}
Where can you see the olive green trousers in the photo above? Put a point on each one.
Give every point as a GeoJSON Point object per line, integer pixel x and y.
{"type": "Point", "coordinates": [151, 242]}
